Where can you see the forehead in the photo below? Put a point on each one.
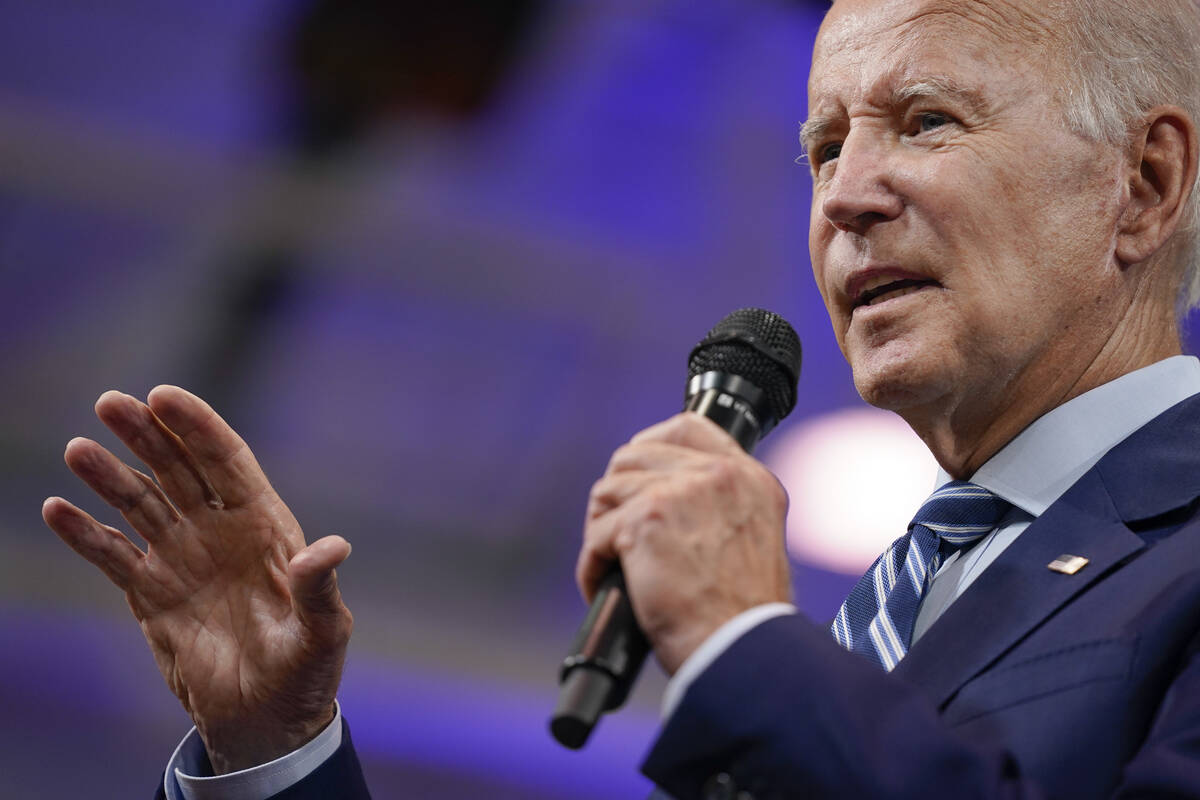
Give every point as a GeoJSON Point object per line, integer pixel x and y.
{"type": "Point", "coordinates": [864, 38]}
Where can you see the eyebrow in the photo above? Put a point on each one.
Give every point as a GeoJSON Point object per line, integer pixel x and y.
{"type": "Point", "coordinates": [814, 129]}
{"type": "Point", "coordinates": [818, 126]}
{"type": "Point", "coordinates": [938, 86]}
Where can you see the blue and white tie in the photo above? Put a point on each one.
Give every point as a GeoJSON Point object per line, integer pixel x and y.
{"type": "Point", "coordinates": [877, 618]}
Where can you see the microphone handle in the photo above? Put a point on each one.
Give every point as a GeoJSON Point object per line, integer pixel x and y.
{"type": "Point", "coordinates": [605, 660]}
{"type": "Point", "coordinates": [610, 648]}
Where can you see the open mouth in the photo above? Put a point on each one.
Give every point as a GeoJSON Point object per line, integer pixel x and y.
{"type": "Point", "coordinates": [891, 290]}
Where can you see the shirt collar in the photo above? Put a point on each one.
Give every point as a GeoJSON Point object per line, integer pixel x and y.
{"type": "Point", "coordinates": [1045, 459]}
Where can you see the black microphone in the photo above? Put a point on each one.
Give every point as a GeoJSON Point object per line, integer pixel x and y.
{"type": "Point", "coordinates": [743, 377]}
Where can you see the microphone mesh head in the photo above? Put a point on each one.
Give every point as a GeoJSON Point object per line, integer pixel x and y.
{"type": "Point", "coordinates": [758, 345]}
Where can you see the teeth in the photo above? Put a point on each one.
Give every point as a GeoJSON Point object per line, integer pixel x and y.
{"type": "Point", "coordinates": [895, 294]}
{"type": "Point", "coordinates": [890, 290]}
{"type": "Point", "coordinates": [876, 282]}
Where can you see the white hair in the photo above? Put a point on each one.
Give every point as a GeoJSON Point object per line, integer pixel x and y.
{"type": "Point", "coordinates": [1123, 58]}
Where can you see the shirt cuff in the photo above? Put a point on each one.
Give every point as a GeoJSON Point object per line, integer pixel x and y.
{"type": "Point", "coordinates": [189, 774]}
{"type": "Point", "coordinates": [712, 647]}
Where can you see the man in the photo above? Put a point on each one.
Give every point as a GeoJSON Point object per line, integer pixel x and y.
{"type": "Point", "coordinates": [1003, 215]}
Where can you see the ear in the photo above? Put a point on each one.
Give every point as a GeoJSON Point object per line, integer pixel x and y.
{"type": "Point", "coordinates": [1163, 163]}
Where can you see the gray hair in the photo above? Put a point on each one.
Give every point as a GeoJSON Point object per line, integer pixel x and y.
{"type": "Point", "coordinates": [1126, 57]}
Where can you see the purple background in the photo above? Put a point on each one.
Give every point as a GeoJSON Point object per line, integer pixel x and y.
{"type": "Point", "coordinates": [475, 314]}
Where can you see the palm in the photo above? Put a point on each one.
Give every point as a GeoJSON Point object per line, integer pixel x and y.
{"type": "Point", "coordinates": [217, 606]}
{"type": "Point", "coordinates": [248, 636]}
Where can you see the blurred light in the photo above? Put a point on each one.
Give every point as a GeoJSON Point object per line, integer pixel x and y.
{"type": "Point", "coordinates": [855, 478]}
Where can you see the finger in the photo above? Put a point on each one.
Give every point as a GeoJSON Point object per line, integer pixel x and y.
{"type": "Point", "coordinates": [315, 594]}
{"type": "Point", "coordinates": [224, 457]}
{"type": "Point", "coordinates": [144, 433]}
{"type": "Point", "coordinates": [599, 554]}
{"type": "Point", "coordinates": [689, 429]}
{"type": "Point", "coordinates": [653, 455]}
{"type": "Point", "coordinates": [135, 495]}
{"type": "Point", "coordinates": [590, 569]}
{"type": "Point", "coordinates": [613, 491]}
{"type": "Point", "coordinates": [106, 547]}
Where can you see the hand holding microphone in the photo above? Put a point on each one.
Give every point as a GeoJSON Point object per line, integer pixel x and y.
{"type": "Point", "coordinates": [695, 523]}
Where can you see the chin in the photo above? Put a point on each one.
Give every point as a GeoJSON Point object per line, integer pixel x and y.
{"type": "Point", "coordinates": [897, 384]}
{"type": "Point", "coordinates": [889, 396]}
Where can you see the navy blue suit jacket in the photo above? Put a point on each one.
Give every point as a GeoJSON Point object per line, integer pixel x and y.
{"type": "Point", "coordinates": [338, 778]}
{"type": "Point", "coordinates": [1032, 684]}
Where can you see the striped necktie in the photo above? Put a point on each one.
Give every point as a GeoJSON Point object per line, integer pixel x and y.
{"type": "Point", "coordinates": [877, 618]}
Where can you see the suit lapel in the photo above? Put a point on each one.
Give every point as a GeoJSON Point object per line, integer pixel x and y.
{"type": "Point", "coordinates": [1154, 471]}
{"type": "Point", "coordinates": [1018, 591]}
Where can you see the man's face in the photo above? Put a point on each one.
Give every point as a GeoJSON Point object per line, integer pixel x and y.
{"type": "Point", "coordinates": [961, 235]}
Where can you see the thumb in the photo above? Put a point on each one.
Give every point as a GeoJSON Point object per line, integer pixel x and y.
{"type": "Point", "coordinates": [313, 584]}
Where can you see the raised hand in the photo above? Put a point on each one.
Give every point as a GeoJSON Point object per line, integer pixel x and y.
{"type": "Point", "coordinates": [245, 622]}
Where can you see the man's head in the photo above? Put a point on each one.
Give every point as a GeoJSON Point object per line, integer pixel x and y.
{"type": "Point", "coordinates": [988, 241]}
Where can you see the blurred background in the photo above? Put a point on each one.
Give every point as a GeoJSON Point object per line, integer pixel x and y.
{"type": "Point", "coordinates": [434, 261]}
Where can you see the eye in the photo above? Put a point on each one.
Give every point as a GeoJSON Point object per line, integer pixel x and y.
{"type": "Point", "coordinates": [931, 121]}
{"type": "Point", "coordinates": [828, 152]}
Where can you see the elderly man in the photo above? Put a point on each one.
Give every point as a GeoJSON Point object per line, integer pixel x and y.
{"type": "Point", "coordinates": [1003, 223]}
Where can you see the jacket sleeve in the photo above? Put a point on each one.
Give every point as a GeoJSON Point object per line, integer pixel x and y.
{"type": "Point", "coordinates": [786, 713]}
{"type": "Point", "coordinates": [338, 776]}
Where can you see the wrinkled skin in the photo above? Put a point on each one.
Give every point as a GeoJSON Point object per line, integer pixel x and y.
{"type": "Point", "coordinates": [245, 621]}
{"type": "Point", "coordinates": [941, 154]}
{"type": "Point", "coordinates": [690, 516]}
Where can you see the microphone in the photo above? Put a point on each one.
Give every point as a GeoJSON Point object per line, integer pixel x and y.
{"type": "Point", "coordinates": [742, 376]}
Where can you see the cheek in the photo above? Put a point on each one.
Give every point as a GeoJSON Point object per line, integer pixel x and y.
{"type": "Point", "coordinates": [1065, 202]}
{"type": "Point", "coordinates": [970, 198]}
{"type": "Point", "coordinates": [837, 319]}
{"type": "Point", "coordinates": [1014, 236]}
{"type": "Point", "coordinates": [819, 237]}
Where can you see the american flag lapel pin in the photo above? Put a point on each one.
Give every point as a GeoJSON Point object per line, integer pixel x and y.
{"type": "Point", "coordinates": [1068, 564]}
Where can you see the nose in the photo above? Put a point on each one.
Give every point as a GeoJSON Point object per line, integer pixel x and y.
{"type": "Point", "coordinates": [860, 193]}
